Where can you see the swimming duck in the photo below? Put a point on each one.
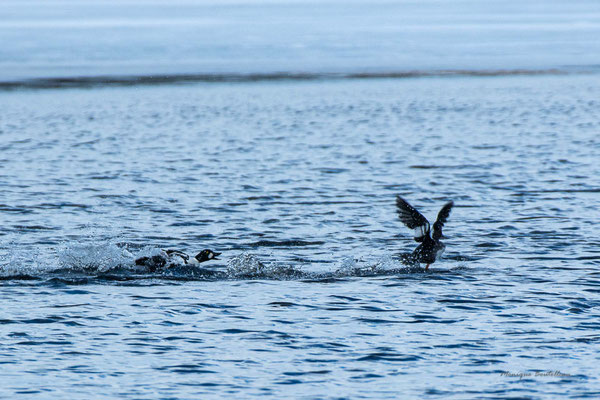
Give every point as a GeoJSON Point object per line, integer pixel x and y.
{"type": "Point", "coordinates": [170, 258]}
{"type": "Point", "coordinates": [431, 248]}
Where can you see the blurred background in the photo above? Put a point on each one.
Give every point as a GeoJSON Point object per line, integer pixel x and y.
{"type": "Point", "coordinates": [71, 38]}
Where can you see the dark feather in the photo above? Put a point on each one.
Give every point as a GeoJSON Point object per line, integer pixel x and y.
{"type": "Point", "coordinates": [409, 215]}
{"type": "Point", "coordinates": [412, 219]}
{"type": "Point", "coordinates": [441, 220]}
{"type": "Point", "coordinates": [181, 254]}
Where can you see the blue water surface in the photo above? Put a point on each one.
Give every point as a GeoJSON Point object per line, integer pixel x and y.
{"type": "Point", "coordinates": [295, 184]}
{"type": "Point", "coordinates": [280, 133]}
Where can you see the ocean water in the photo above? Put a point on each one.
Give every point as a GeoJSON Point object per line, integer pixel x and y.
{"type": "Point", "coordinates": [121, 134]}
{"type": "Point", "coordinates": [301, 177]}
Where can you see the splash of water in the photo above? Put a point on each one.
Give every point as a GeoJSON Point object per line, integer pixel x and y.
{"type": "Point", "coordinates": [94, 257]}
{"type": "Point", "coordinates": [249, 266]}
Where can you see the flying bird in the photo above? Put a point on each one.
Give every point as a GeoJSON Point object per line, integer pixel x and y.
{"type": "Point", "coordinates": [430, 247]}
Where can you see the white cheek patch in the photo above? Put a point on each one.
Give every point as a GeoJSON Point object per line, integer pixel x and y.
{"type": "Point", "coordinates": [420, 231]}
{"type": "Point", "coordinates": [211, 255]}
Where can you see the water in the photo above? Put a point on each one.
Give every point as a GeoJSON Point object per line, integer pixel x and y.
{"type": "Point", "coordinates": [294, 180]}
{"type": "Point", "coordinates": [302, 176]}
{"type": "Point", "coordinates": [135, 38]}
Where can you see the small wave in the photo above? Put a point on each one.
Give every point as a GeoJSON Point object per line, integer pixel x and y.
{"type": "Point", "coordinates": [389, 356]}
{"type": "Point", "coordinates": [284, 243]}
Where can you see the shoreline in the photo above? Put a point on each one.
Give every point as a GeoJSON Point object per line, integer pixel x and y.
{"type": "Point", "coordinates": [167, 79]}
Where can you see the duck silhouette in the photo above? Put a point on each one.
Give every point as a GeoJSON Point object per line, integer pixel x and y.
{"type": "Point", "coordinates": [430, 248]}
{"type": "Point", "coordinates": [170, 258]}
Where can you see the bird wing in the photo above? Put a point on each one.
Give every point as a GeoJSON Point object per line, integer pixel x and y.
{"type": "Point", "coordinates": [178, 253]}
{"type": "Point", "coordinates": [441, 220]}
{"type": "Point", "coordinates": [412, 218]}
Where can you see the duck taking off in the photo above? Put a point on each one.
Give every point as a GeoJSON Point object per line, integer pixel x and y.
{"type": "Point", "coordinates": [170, 258]}
{"type": "Point", "coordinates": [430, 248]}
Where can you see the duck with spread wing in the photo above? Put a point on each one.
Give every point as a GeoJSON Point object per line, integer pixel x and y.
{"type": "Point", "coordinates": [430, 248]}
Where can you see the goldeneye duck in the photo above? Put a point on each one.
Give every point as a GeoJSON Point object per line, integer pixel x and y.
{"type": "Point", "coordinates": [430, 248]}
{"type": "Point", "coordinates": [170, 258]}
{"type": "Point", "coordinates": [205, 255]}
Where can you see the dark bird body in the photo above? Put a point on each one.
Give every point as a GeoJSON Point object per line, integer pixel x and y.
{"type": "Point", "coordinates": [430, 247]}
{"type": "Point", "coordinates": [170, 258]}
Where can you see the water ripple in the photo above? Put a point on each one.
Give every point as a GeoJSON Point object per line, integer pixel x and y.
{"type": "Point", "coordinates": [294, 182]}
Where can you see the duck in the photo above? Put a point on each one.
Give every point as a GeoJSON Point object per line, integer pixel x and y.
{"type": "Point", "coordinates": [170, 258]}
{"type": "Point", "coordinates": [430, 248]}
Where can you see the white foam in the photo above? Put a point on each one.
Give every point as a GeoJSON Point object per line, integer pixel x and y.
{"type": "Point", "coordinates": [248, 265]}
{"type": "Point", "coordinates": [94, 257]}
{"type": "Point", "coordinates": [25, 261]}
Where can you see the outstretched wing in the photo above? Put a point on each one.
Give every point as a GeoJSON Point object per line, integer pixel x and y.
{"type": "Point", "coordinates": [441, 220]}
{"type": "Point", "coordinates": [412, 219]}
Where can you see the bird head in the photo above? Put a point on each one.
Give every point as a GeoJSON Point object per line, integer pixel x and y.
{"type": "Point", "coordinates": [206, 255]}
